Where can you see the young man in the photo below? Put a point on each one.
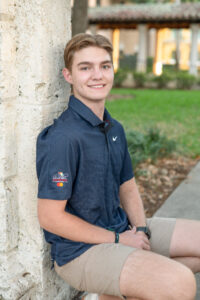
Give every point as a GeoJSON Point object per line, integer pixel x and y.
{"type": "Point", "coordinates": [84, 172]}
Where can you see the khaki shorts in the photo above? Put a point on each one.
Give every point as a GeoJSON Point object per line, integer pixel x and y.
{"type": "Point", "coordinates": [98, 269]}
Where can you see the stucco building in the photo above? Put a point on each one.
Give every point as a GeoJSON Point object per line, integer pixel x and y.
{"type": "Point", "coordinates": [161, 31]}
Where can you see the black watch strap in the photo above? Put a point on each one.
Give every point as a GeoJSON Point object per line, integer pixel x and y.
{"type": "Point", "coordinates": [116, 237]}
{"type": "Point", "coordinates": [144, 229]}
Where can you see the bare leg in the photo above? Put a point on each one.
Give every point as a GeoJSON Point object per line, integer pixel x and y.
{"type": "Point", "coordinates": [150, 276]}
{"type": "Point", "coordinates": [191, 262]}
{"type": "Point", "coordinates": [185, 244]}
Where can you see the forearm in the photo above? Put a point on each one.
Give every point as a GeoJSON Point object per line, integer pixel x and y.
{"type": "Point", "coordinates": [132, 203]}
{"type": "Point", "coordinates": [71, 227]}
{"type": "Point", "coordinates": [135, 212]}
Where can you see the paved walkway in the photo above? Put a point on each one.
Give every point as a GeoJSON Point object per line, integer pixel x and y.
{"type": "Point", "coordinates": [184, 202]}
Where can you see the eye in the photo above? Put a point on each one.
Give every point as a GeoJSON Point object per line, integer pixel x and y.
{"type": "Point", "coordinates": [84, 68]}
{"type": "Point", "coordinates": [106, 67]}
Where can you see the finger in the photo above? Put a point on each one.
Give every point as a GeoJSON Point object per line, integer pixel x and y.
{"type": "Point", "coordinates": [146, 246]}
{"type": "Point", "coordinates": [143, 235]}
{"type": "Point", "coordinates": [146, 243]}
{"type": "Point", "coordinates": [133, 230]}
{"type": "Point", "coordinates": [143, 242]}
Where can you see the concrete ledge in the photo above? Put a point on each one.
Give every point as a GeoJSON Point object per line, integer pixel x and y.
{"type": "Point", "coordinates": [184, 202]}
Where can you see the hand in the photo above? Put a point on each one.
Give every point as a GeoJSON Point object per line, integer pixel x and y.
{"type": "Point", "coordinates": [135, 239]}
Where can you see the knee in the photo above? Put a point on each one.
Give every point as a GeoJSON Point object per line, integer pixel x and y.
{"type": "Point", "coordinates": [184, 285]}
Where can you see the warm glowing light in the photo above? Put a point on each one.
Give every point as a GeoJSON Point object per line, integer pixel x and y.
{"type": "Point", "coordinates": [116, 34]}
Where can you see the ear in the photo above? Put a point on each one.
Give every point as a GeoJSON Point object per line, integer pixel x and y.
{"type": "Point", "coordinates": [67, 75]}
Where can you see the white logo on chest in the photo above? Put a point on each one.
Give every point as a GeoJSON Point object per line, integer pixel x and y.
{"type": "Point", "coordinates": [114, 138]}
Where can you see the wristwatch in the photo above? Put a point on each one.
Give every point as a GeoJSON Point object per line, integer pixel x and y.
{"type": "Point", "coordinates": [145, 229]}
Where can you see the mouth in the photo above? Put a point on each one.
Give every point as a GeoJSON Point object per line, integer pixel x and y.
{"type": "Point", "coordinates": [96, 86]}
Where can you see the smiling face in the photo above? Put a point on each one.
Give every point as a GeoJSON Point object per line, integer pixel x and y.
{"type": "Point", "coordinates": [91, 74]}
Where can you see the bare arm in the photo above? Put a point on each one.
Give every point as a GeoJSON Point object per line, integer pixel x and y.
{"type": "Point", "coordinates": [53, 217]}
{"type": "Point", "coordinates": [133, 206]}
{"type": "Point", "coordinates": [132, 203]}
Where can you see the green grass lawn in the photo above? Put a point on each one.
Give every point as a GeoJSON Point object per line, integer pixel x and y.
{"type": "Point", "coordinates": [175, 112]}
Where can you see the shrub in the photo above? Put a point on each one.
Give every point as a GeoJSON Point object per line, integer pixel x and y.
{"type": "Point", "coordinates": [158, 145]}
{"type": "Point", "coordinates": [169, 68]}
{"type": "Point", "coordinates": [163, 79]}
{"type": "Point", "coordinates": [140, 79]}
{"type": "Point", "coordinates": [128, 62]}
{"type": "Point", "coordinates": [150, 64]}
{"type": "Point", "coordinates": [136, 147]}
{"type": "Point", "coordinates": [198, 80]}
{"type": "Point", "coordinates": [120, 76]}
{"type": "Point", "coordinates": [185, 80]}
{"type": "Point", "coordinates": [150, 145]}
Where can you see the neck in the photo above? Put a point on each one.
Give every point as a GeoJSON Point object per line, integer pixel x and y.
{"type": "Point", "coordinates": [97, 107]}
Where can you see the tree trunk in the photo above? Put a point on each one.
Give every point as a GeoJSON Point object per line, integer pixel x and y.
{"type": "Point", "coordinates": [79, 16]}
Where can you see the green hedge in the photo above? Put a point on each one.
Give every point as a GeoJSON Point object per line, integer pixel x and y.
{"type": "Point", "coordinates": [120, 76]}
{"type": "Point", "coordinates": [181, 79]}
{"type": "Point", "coordinates": [163, 80]}
{"type": "Point", "coordinates": [185, 80]}
{"type": "Point", "coordinates": [140, 79]}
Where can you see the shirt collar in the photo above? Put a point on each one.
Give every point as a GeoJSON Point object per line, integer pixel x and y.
{"type": "Point", "coordinates": [86, 113]}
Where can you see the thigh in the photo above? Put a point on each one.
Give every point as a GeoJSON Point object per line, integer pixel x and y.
{"type": "Point", "coordinates": [97, 270]}
{"type": "Point", "coordinates": [162, 230]}
{"type": "Point", "coordinates": [186, 239]}
{"type": "Point", "coordinates": [147, 275]}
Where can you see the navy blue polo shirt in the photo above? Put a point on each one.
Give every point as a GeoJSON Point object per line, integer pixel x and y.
{"type": "Point", "coordinates": [84, 160]}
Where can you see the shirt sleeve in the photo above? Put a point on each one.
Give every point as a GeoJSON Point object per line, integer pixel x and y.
{"type": "Point", "coordinates": [56, 162]}
{"type": "Point", "coordinates": [127, 169]}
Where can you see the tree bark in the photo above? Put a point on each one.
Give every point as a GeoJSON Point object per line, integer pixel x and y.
{"type": "Point", "coordinates": [79, 16]}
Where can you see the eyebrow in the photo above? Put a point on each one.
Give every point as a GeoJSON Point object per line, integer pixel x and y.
{"type": "Point", "coordinates": [90, 63]}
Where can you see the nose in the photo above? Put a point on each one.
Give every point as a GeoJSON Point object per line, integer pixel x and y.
{"type": "Point", "coordinates": [97, 74]}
